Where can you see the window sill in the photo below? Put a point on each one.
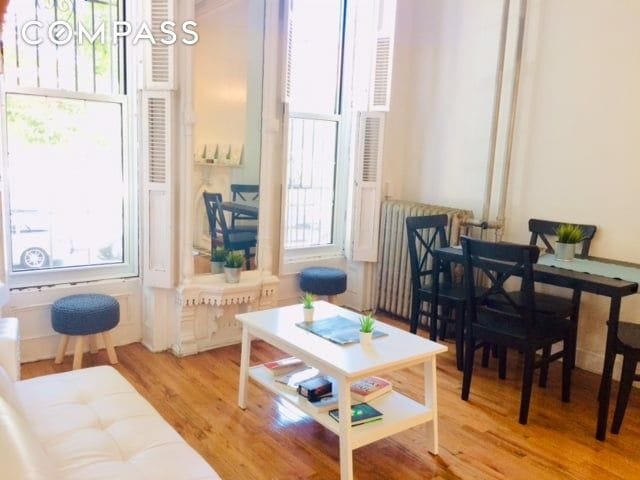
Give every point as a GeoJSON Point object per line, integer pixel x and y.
{"type": "Point", "coordinates": [297, 263]}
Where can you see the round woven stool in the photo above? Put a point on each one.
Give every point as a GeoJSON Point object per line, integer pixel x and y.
{"type": "Point", "coordinates": [85, 315]}
{"type": "Point", "coordinates": [323, 281]}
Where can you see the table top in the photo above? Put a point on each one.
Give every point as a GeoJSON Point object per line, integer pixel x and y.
{"type": "Point", "coordinates": [561, 276]}
{"type": "Point", "coordinates": [396, 350]}
{"type": "Point", "coordinates": [242, 208]}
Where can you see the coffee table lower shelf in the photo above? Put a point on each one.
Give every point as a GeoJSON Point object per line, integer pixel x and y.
{"type": "Point", "coordinates": [399, 411]}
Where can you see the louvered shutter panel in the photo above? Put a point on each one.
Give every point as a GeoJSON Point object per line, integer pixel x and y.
{"type": "Point", "coordinates": [288, 53]}
{"type": "Point", "coordinates": [157, 199]}
{"type": "Point", "coordinates": [368, 187]}
{"type": "Point", "coordinates": [159, 58]}
{"type": "Point", "coordinates": [4, 272]}
{"type": "Point", "coordinates": [381, 72]}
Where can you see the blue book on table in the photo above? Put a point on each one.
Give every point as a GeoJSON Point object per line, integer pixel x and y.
{"type": "Point", "coordinates": [360, 413]}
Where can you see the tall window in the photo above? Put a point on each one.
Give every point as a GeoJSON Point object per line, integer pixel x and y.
{"type": "Point", "coordinates": [315, 118]}
{"type": "Point", "coordinates": [69, 203]}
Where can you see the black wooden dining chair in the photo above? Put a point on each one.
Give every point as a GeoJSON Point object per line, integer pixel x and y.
{"type": "Point", "coordinates": [221, 235]}
{"type": "Point", "coordinates": [627, 344]}
{"type": "Point", "coordinates": [511, 319]}
{"type": "Point", "coordinates": [544, 231]}
{"type": "Point", "coordinates": [425, 234]}
{"type": "Point", "coordinates": [248, 194]}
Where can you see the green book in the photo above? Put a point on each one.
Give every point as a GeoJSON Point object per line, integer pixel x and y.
{"type": "Point", "coordinates": [360, 413]}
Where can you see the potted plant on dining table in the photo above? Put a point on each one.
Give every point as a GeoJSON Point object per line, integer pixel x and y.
{"type": "Point", "coordinates": [568, 236]}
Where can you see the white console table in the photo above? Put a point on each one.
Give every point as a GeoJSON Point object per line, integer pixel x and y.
{"type": "Point", "coordinates": [207, 306]}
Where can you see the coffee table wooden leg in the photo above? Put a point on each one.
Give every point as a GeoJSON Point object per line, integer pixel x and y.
{"type": "Point", "coordinates": [245, 357]}
{"type": "Point", "coordinates": [346, 451]}
{"type": "Point", "coordinates": [431, 401]}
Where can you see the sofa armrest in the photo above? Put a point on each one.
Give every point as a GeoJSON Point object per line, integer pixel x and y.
{"type": "Point", "coordinates": [10, 347]}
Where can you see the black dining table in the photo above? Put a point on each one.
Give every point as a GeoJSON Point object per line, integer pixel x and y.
{"type": "Point", "coordinates": [613, 288]}
{"type": "Point", "coordinates": [248, 211]}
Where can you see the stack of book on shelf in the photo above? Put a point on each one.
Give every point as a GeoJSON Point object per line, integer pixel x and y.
{"type": "Point", "coordinates": [284, 366]}
{"type": "Point", "coordinates": [362, 391]}
{"type": "Point", "coordinates": [369, 388]}
{"type": "Point", "coordinates": [360, 413]}
{"type": "Point", "coordinates": [318, 393]}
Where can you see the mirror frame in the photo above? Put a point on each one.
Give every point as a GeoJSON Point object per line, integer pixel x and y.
{"type": "Point", "coordinates": [271, 140]}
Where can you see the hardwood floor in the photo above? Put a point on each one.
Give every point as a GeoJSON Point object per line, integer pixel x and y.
{"type": "Point", "coordinates": [478, 439]}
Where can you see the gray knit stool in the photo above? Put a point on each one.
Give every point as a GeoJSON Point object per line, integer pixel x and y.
{"type": "Point", "coordinates": [85, 315]}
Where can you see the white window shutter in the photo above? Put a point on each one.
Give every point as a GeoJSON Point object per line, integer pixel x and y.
{"type": "Point", "coordinates": [381, 72]}
{"type": "Point", "coordinates": [367, 195]}
{"type": "Point", "coordinates": [288, 50]}
{"type": "Point", "coordinates": [4, 271]}
{"type": "Point", "coordinates": [159, 58]}
{"type": "Point", "coordinates": [157, 204]}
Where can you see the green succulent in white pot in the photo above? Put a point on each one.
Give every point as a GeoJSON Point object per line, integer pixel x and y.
{"type": "Point", "coordinates": [568, 237]}
{"type": "Point", "coordinates": [218, 258]}
{"type": "Point", "coordinates": [233, 266]}
{"type": "Point", "coordinates": [307, 306]}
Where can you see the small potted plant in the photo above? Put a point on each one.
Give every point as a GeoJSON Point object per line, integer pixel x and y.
{"type": "Point", "coordinates": [367, 324]}
{"type": "Point", "coordinates": [232, 266]}
{"type": "Point", "coordinates": [568, 237]}
{"type": "Point", "coordinates": [307, 306]}
{"type": "Point", "coordinates": [218, 257]}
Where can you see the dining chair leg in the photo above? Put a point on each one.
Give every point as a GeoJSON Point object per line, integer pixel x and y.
{"type": "Point", "coordinates": [486, 351]}
{"type": "Point", "coordinates": [527, 384]}
{"type": "Point", "coordinates": [544, 369]}
{"type": "Point", "coordinates": [446, 313]}
{"type": "Point", "coordinates": [432, 322]}
{"type": "Point", "coordinates": [415, 314]}
{"type": "Point", "coordinates": [626, 381]}
{"type": "Point", "coordinates": [460, 337]}
{"type": "Point", "coordinates": [469, 353]}
{"type": "Point", "coordinates": [567, 368]}
{"type": "Point", "coordinates": [502, 362]}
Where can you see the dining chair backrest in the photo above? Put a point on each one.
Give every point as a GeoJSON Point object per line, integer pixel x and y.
{"type": "Point", "coordinates": [425, 234]}
{"type": "Point", "coordinates": [215, 215]}
{"type": "Point", "coordinates": [247, 193]}
{"type": "Point", "coordinates": [542, 229]}
{"type": "Point", "coordinates": [500, 262]}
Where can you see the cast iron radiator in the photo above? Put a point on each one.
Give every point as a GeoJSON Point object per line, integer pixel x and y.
{"type": "Point", "coordinates": [393, 275]}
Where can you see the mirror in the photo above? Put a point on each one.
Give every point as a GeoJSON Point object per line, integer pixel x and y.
{"type": "Point", "coordinates": [228, 71]}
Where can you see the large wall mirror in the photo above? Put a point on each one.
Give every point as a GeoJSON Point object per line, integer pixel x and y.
{"type": "Point", "coordinates": [228, 72]}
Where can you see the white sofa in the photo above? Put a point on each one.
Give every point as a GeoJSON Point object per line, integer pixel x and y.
{"type": "Point", "coordinates": [84, 424]}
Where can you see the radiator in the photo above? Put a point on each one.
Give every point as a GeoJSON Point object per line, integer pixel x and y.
{"type": "Point", "coordinates": [392, 292]}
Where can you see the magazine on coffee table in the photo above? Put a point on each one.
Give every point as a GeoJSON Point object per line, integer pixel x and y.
{"type": "Point", "coordinates": [337, 329]}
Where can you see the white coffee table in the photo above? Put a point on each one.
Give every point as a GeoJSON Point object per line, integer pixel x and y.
{"type": "Point", "coordinates": [346, 364]}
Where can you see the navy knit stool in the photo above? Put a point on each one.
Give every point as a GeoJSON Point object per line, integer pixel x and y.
{"type": "Point", "coordinates": [81, 315]}
{"type": "Point", "coordinates": [323, 281]}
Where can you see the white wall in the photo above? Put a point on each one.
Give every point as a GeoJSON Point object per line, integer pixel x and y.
{"type": "Point", "coordinates": [33, 308]}
{"type": "Point", "coordinates": [220, 75]}
{"type": "Point", "coordinates": [576, 143]}
{"type": "Point", "coordinates": [576, 135]}
{"type": "Point", "coordinates": [437, 136]}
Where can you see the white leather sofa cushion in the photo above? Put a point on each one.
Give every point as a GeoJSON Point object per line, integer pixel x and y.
{"type": "Point", "coordinates": [8, 390]}
{"type": "Point", "coordinates": [10, 346]}
{"type": "Point", "coordinates": [93, 424]}
{"type": "Point", "coordinates": [21, 455]}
